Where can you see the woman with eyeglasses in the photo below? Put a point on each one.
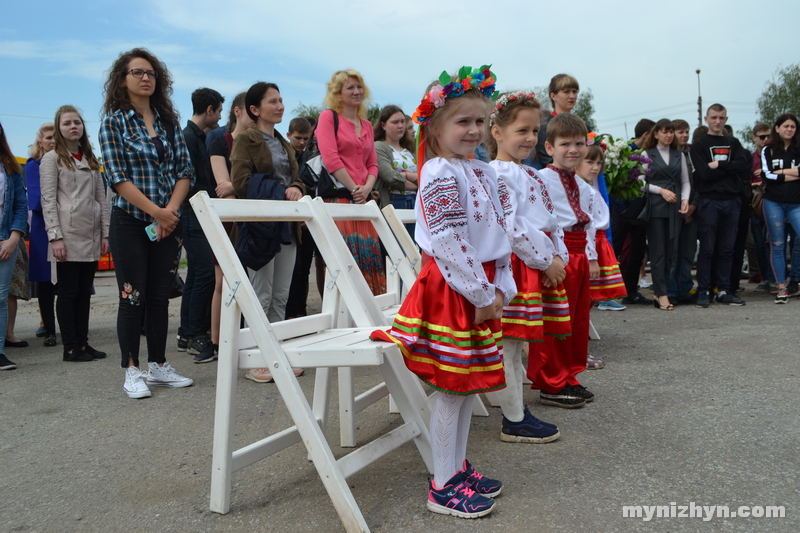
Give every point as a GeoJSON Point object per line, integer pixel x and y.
{"type": "Point", "coordinates": [13, 225]}
{"type": "Point", "coordinates": [148, 168]}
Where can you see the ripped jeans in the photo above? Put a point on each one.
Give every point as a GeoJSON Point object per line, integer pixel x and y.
{"type": "Point", "coordinates": [145, 272]}
{"type": "Point", "coordinates": [775, 215]}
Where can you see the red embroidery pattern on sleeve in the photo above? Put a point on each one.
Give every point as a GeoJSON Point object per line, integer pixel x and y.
{"type": "Point", "coordinates": [441, 205]}
{"type": "Point", "coordinates": [548, 203]}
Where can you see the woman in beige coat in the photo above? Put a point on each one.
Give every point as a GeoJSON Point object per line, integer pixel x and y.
{"type": "Point", "coordinates": [76, 216]}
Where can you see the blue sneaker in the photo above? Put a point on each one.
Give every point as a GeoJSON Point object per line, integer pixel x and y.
{"type": "Point", "coordinates": [610, 305]}
{"type": "Point", "coordinates": [479, 483]}
{"type": "Point", "coordinates": [458, 498]}
{"type": "Point", "coordinates": [542, 422]}
{"type": "Point", "coordinates": [530, 430]}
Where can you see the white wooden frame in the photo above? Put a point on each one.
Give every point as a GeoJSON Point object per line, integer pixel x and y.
{"type": "Point", "coordinates": [399, 268]}
{"type": "Point", "coordinates": [309, 342]}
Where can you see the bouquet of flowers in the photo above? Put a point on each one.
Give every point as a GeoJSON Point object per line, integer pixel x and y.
{"type": "Point", "coordinates": [624, 166]}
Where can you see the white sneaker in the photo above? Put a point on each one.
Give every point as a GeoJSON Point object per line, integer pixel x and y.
{"type": "Point", "coordinates": [645, 283]}
{"type": "Point", "coordinates": [165, 376]}
{"type": "Point", "coordinates": [135, 387]}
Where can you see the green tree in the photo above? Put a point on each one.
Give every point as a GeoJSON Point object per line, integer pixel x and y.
{"type": "Point", "coordinates": [781, 95]}
{"type": "Point", "coordinates": [584, 107]}
{"type": "Point", "coordinates": [303, 110]}
{"type": "Point", "coordinates": [373, 112]}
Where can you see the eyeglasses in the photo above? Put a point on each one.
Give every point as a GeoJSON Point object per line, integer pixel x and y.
{"type": "Point", "coordinates": [139, 73]}
{"type": "Point", "coordinates": [763, 137]}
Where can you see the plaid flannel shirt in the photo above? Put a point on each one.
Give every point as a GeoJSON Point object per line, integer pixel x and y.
{"type": "Point", "coordinates": [130, 155]}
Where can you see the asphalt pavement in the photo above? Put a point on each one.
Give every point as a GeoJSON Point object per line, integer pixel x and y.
{"type": "Point", "coordinates": [695, 407]}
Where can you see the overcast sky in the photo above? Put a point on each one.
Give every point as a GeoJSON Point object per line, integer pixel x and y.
{"type": "Point", "coordinates": [638, 59]}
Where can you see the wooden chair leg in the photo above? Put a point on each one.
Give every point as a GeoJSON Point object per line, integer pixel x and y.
{"type": "Point", "coordinates": [347, 415]}
{"type": "Point", "coordinates": [412, 404]}
{"type": "Point", "coordinates": [322, 397]}
{"type": "Point", "coordinates": [225, 411]}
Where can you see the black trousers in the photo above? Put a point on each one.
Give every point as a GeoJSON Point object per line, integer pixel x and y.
{"type": "Point", "coordinates": [145, 272]}
{"type": "Point", "coordinates": [298, 291]}
{"type": "Point", "coordinates": [620, 231]}
{"type": "Point", "coordinates": [717, 222]}
{"type": "Point", "coordinates": [46, 294]}
{"type": "Point", "coordinates": [742, 229]}
{"type": "Point", "coordinates": [661, 248]}
{"type": "Point", "coordinates": [75, 280]}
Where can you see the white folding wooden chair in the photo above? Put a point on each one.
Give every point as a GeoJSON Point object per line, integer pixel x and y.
{"type": "Point", "coordinates": [312, 341]}
{"type": "Point", "coordinates": [400, 276]}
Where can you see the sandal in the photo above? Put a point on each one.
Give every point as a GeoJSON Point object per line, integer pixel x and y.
{"type": "Point", "coordinates": [594, 363]}
{"type": "Point", "coordinates": [259, 375]}
{"type": "Point", "coordinates": [657, 305]}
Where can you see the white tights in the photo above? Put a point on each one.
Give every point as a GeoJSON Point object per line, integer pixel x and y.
{"type": "Point", "coordinates": [510, 398]}
{"type": "Point", "coordinates": [450, 418]}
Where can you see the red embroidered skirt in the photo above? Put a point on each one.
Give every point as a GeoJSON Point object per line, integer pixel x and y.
{"type": "Point", "coordinates": [522, 317]}
{"type": "Point", "coordinates": [440, 343]}
{"type": "Point", "coordinates": [609, 285]}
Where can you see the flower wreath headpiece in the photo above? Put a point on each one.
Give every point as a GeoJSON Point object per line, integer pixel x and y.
{"type": "Point", "coordinates": [467, 78]}
{"type": "Point", "coordinates": [506, 98]}
{"type": "Point", "coordinates": [594, 138]}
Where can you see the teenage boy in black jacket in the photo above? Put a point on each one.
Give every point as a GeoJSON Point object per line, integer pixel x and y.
{"type": "Point", "coordinates": [719, 164]}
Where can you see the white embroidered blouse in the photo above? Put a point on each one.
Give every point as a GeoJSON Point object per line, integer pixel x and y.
{"type": "Point", "coordinates": [601, 217]}
{"type": "Point", "coordinates": [460, 224]}
{"type": "Point", "coordinates": [529, 214]}
{"type": "Point", "coordinates": [567, 217]}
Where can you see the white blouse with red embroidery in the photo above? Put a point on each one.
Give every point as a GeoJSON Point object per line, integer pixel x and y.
{"type": "Point", "coordinates": [460, 224]}
{"type": "Point", "coordinates": [600, 215]}
{"type": "Point", "coordinates": [567, 217]}
{"type": "Point", "coordinates": [529, 214]}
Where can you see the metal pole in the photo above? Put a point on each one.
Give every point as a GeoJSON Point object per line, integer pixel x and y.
{"type": "Point", "coordinates": [699, 101]}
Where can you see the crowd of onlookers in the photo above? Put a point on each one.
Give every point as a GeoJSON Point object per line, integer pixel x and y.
{"type": "Point", "coordinates": [709, 191]}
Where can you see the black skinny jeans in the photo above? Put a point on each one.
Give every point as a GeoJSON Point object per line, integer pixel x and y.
{"type": "Point", "coordinates": [74, 298]}
{"type": "Point", "coordinates": [145, 272]}
{"type": "Point", "coordinates": [46, 294]}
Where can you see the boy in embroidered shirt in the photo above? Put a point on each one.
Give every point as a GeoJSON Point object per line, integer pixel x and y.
{"type": "Point", "coordinates": [555, 371]}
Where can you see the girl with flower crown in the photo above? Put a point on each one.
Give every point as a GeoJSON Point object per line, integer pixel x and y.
{"type": "Point", "coordinates": [537, 262]}
{"type": "Point", "coordinates": [448, 328]}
